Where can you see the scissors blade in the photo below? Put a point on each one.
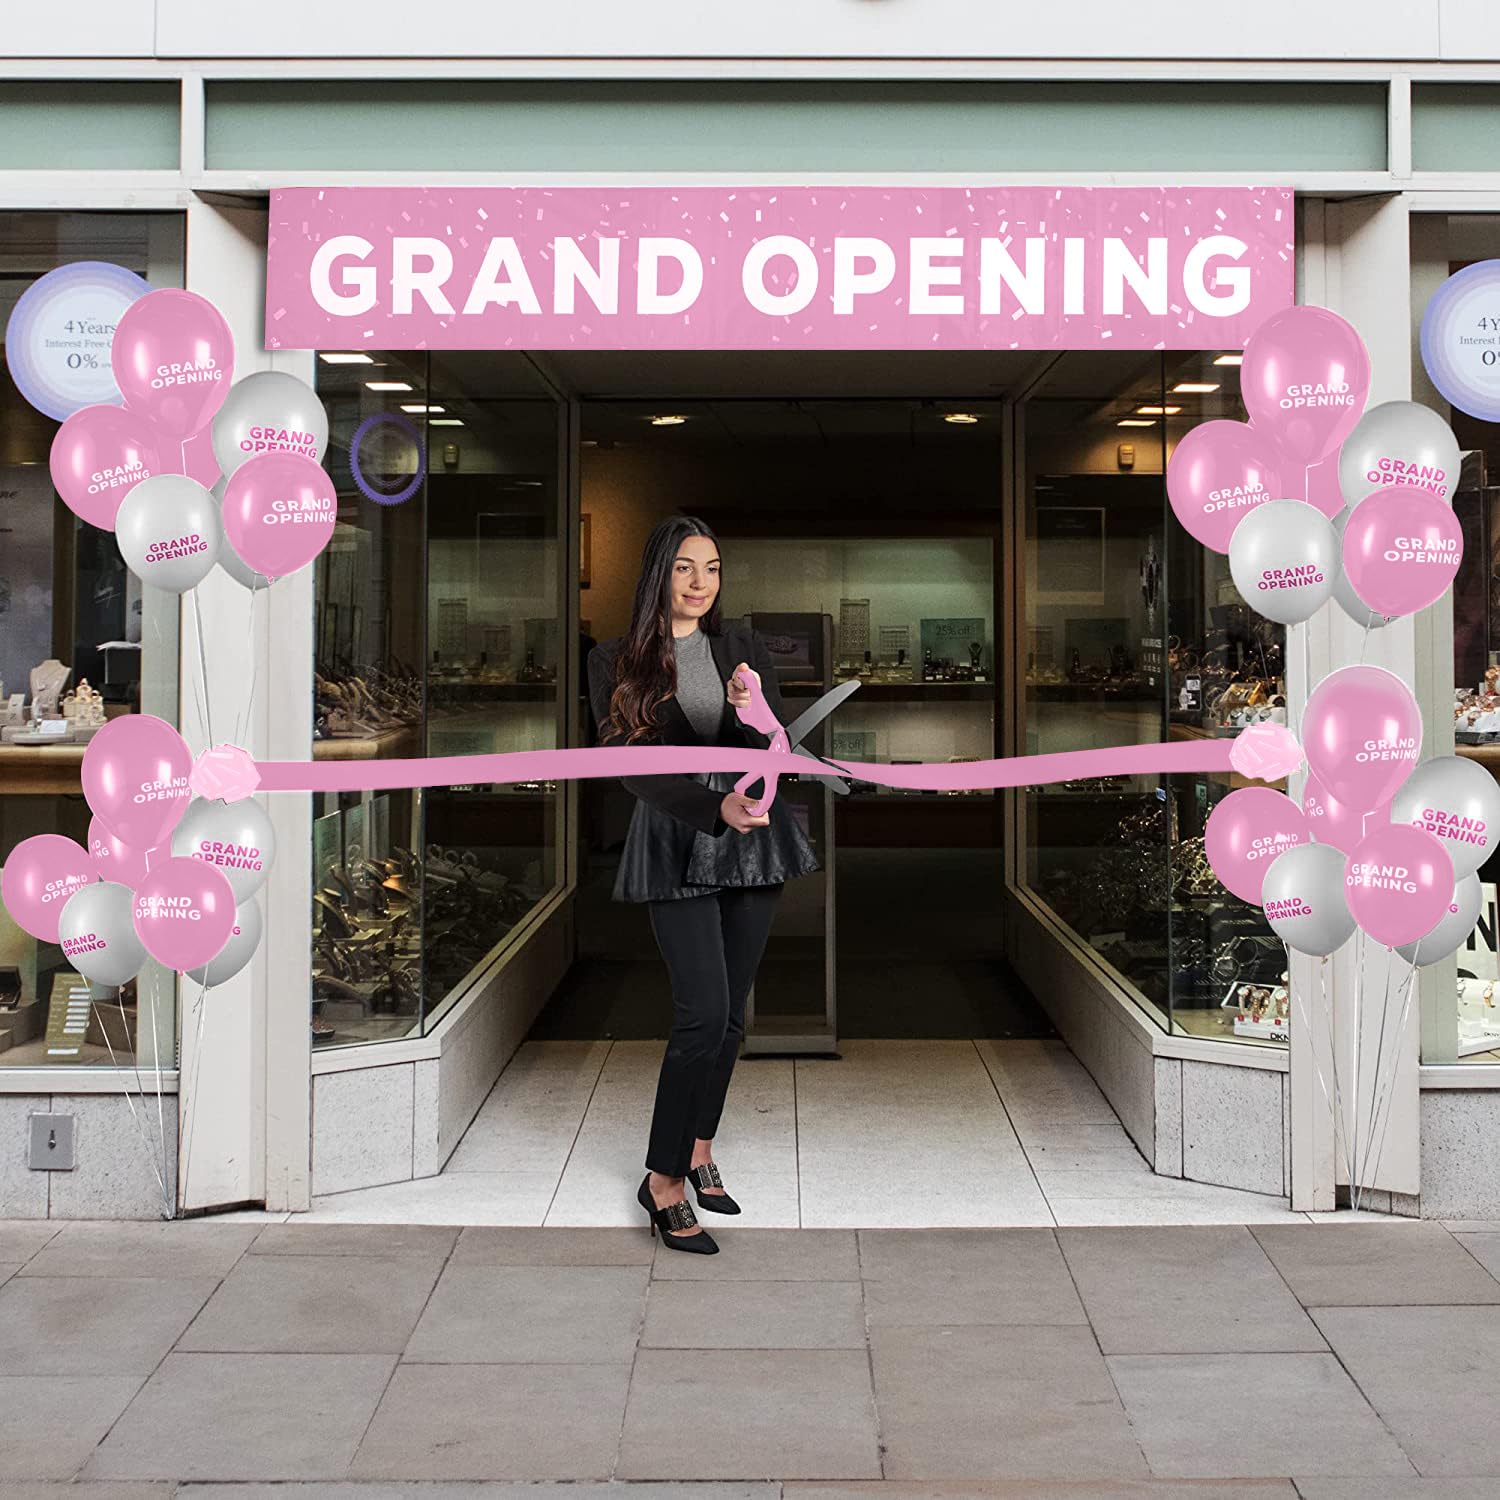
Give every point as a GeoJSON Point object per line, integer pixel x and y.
{"type": "Point", "coordinates": [840, 784]}
{"type": "Point", "coordinates": [810, 717]}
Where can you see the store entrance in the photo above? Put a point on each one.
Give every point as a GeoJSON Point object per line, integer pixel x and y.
{"type": "Point", "coordinates": [860, 508]}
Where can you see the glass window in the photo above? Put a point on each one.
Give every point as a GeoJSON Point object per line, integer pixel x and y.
{"type": "Point", "coordinates": [1135, 634]}
{"type": "Point", "coordinates": [1462, 1023]}
{"type": "Point", "coordinates": [73, 623]}
{"type": "Point", "coordinates": [438, 631]}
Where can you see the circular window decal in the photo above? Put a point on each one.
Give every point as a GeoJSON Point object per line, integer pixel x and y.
{"type": "Point", "coordinates": [1461, 340]}
{"type": "Point", "coordinates": [58, 336]}
{"type": "Point", "coordinates": [387, 458]}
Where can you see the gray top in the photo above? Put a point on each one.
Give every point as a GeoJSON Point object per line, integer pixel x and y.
{"type": "Point", "coordinates": [699, 691]}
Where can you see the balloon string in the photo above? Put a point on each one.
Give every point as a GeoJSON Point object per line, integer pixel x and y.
{"type": "Point", "coordinates": [1385, 1005]}
{"type": "Point", "coordinates": [115, 1064]}
{"type": "Point", "coordinates": [206, 707]}
{"type": "Point", "coordinates": [188, 1110]}
{"type": "Point", "coordinates": [1387, 1089]}
{"type": "Point", "coordinates": [169, 1202]}
{"type": "Point", "coordinates": [254, 672]}
{"type": "Point", "coordinates": [1304, 1023]}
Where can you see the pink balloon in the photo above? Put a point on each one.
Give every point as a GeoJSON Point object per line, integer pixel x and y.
{"type": "Point", "coordinates": [116, 861]}
{"type": "Point", "coordinates": [1304, 381]}
{"type": "Point", "coordinates": [1321, 486]}
{"type": "Point", "coordinates": [183, 913]}
{"type": "Point", "coordinates": [1399, 881]}
{"type": "Point", "coordinates": [40, 875]}
{"type": "Point", "coordinates": [1246, 831]}
{"type": "Point", "coordinates": [1402, 548]}
{"type": "Point", "coordinates": [1362, 734]}
{"type": "Point", "coordinates": [1217, 474]}
{"type": "Point", "coordinates": [192, 457]}
{"type": "Point", "coordinates": [173, 359]}
{"type": "Point", "coordinates": [1331, 822]}
{"type": "Point", "coordinates": [135, 779]}
{"type": "Point", "coordinates": [98, 456]}
{"type": "Point", "coordinates": [279, 512]}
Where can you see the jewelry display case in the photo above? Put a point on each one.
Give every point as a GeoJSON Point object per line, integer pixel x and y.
{"type": "Point", "coordinates": [437, 634]}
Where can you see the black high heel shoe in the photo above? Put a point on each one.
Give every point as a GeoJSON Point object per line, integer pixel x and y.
{"type": "Point", "coordinates": [707, 1176]}
{"type": "Point", "coordinates": [674, 1216]}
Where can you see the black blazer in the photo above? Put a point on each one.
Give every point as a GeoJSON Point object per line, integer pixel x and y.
{"type": "Point", "coordinates": [690, 801]}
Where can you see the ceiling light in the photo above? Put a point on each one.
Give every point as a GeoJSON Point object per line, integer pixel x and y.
{"type": "Point", "coordinates": [1195, 387]}
{"type": "Point", "coordinates": [1230, 359]}
{"type": "Point", "coordinates": [961, 418]}
{"type": "Point", "coordinates": [387, 385]}
{"type": "Point", "coordinates": [346, 359]}
{"type": "Point", "coordinates": [1135, 422]}
{"type": "Point", "coordinates": [1157, 411]}
{"type": "Point", "coordinates": [418, 410]}
{"type": "Point", "coordinates": [671, 420]}
{"type": "Point", "coordinates": [446, 422]}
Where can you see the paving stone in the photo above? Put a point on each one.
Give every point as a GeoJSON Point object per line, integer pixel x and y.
{"type": "Point", "coordinates": [1183, 1408]}
{"type": "Point", "coordinates": [435, 1240]}
{"type": "Point", "coordinates": [1485, 1248]}
{"type": "Point", "coordinates": [1040, 1489]}
{"type": "Point", "coordinates": [531, 1315]}
{"type": "Point", "coordinates": [783, 1413]}
{"type": "Point", "coordinates": [245, 1416]}
{"type": "Point", "coordinates": [976, 1403]}
{"type": "Point", "coordinates": [1202, 1290]}
{"type": "Point", "coordinates": [1375, 1265]}
{"type": "Point", "coordinates": [754, 1315]}
{"type": "Point", "coordinates": [1430, 1372]}
{"type": "Point", "coordinates": [50, 1424]}
{"type": "Point", "coordinates": [315, 1304]}
{"type": "Point", "coordinates": [559, 1421]}
{"type": "Point", "coordinates": [493, 1245]}
{"type": "Point", "coordinates": [766, 1255]}
{"type": "Point", "coordinates": [94, 1325]}
{"type": "Point", "coordinates": [165, 1249]}
{"type": "Point", "coordinates": [962, 1276]}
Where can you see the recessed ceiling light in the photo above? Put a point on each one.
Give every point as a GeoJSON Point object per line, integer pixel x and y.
{"type": "Point", "coordinates": [670, 420]}
{"type": "Point", "coordinates": [446, 422]}
{"type": "Point", "coordinates": [387, 385]}
{"type": "Point", "coordinates": [418, 409]}
{"type": "Point", "coordinates": [1157, 411]}
{"type": "Point", "coordinates": [1230, 359]}
{"type": "Point", "coordinates": [961, 418]}
{"type": "Point", "coordinates": [346, 359]}
{"type": "Point", "coordinates": [1135, 422]}
{"type": "Point", "coordinates": [1195, 387]}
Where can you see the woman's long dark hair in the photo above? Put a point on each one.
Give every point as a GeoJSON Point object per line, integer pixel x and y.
{"type": "Point", "coordinates": [646, 665]}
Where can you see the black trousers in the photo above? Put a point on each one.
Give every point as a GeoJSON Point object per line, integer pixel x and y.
{"type": "Point", "coordinates": [712, 945]}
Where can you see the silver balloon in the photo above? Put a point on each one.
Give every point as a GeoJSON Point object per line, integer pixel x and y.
{"type": "Point", "coordinates": [1399, 442]}
{"type": "Point", "coordinates": [230, 560]}
{"type": "Point", "coordinates": [235, 837]}
{"type": "Point", "coordinates": [237, 952]}
{"type": "Point", "coordinates": [1343, 591]}
{"type": "Point", "coordinates": [1284, 557]}
{"type": "Point", "coordinates": [1453, 927]}
{"type": "Point", "coordinates": [98, 935]}
{"type": "Point", "coordinates": [1303, 896]}
{"type": "Point", "coordinates": [269, 412]}
{"type": "Point", "coordinates": [169, 532]}
{"type": "Point", "coordinates": [1457, 801]}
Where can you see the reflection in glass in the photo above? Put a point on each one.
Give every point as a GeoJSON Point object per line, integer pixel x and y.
{"type": "Point", "coordinates": [437, 633]}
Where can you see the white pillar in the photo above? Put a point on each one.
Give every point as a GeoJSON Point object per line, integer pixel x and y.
{"type": "Point", "coordinates": [247, 1086]}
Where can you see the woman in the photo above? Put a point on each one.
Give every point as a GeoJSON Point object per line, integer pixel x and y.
{"type": "Point", "coordinates": [708, 868]}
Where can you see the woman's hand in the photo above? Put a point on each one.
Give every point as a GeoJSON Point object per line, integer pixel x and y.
{"type": "Point", "coordinates": [737, 689]}
{"type": "Point", "coordinates": [735, 810]}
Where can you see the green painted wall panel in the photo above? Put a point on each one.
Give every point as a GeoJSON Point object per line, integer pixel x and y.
{"type": "Point", "coordinates": [575, 126]}
{"type": "Point", "coordinates": [88, 124]}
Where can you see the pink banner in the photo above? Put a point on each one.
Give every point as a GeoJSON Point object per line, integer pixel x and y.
{"type": "Point", "coordinates": [776, 268]}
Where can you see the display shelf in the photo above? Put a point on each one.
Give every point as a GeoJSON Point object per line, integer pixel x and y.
{"type": "Point", "coordinates": [900, 692]}
{"type": "Point", "coordinates": [1092, 692]}
{"type": "Point", "coordinates": [496, 692]}
{"type": "Point", "coordinates": [1231, 779]}
{"type": "Point", "coordinates": [392, 745]}
{"type": "Point", "coordinates": [41, 770]}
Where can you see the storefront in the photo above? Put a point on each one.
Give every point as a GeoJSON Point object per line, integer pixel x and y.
{"type": "Point", "coordinates": [492, 500]}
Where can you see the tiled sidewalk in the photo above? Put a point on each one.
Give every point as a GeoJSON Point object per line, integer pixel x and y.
{"type": "Point", "coordinates": [1332, 1361]}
